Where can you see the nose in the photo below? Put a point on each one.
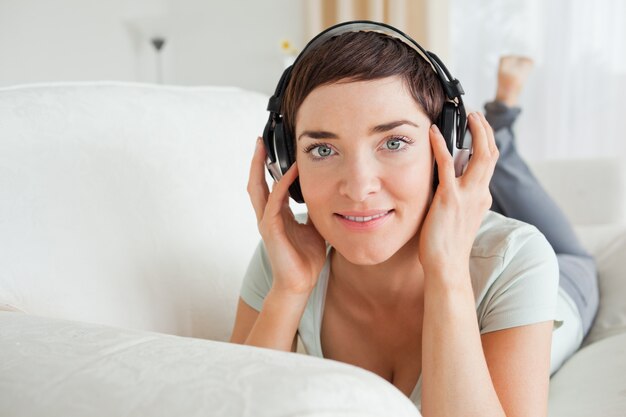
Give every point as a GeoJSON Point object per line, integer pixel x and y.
{"type": "Point", "coordinates": [359, 179]}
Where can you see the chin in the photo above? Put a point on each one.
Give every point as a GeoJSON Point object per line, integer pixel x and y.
{"type": "Point", "coordinates": [365, 254]}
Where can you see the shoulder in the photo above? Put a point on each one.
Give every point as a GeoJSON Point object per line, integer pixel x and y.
{"type": "Point", "coordinates": [510, 253]}
{"type": "Point", "coordinates": [500, 236]}
{"type": "Point", "coordinates": [514, 273]}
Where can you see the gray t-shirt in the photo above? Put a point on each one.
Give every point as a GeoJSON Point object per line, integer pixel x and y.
{"type": "Point", "coordinates": [513, 268]}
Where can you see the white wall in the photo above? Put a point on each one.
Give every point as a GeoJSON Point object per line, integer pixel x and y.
{"type": "Point", "coordinates": [227, 42]}
{"type": "Point", "coordinates": [572, 101]}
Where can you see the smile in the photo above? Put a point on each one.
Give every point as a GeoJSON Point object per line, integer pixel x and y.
{"type": "Point", "coordinates": [364, 223]}
{"type": "Point", "coordinates": [364, 219]}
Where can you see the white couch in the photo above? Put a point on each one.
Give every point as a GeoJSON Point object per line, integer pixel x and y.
{"type": "Point", "coordinates": [125, 230]}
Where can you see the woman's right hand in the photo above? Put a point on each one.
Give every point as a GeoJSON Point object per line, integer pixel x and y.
{"type": "Point", "coordinates": [297, 252]}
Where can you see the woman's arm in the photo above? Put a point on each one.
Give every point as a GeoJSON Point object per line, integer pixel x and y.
{"type": "Point", "coordinates": [277, 324]}
{"type": "Point", "coordinates": [519, 364]}
{"type": "Point", "coordinates": [247, 319]}
{"type": "Point", "coordinates": [457, 377]}
{"type": "Point", "coordinates": [506, 373]}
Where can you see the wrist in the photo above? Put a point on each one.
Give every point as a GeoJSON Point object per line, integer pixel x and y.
{"type": "Point", "coordinates": [447, 277]}
{"type": "Point", "coordinates": [287, 297]}
{"type": "Point", "coordinates": [278, 321]}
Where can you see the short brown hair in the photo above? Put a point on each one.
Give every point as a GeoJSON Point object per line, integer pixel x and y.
{"type": "Point", "coordinates": [361, 56]}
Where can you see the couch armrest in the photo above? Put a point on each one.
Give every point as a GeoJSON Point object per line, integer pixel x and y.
{"type": "Point", "coordinates": [611, 317]}
{"type": "Point", "coordinates": [591, 383]}
{"type": "Point", "coordinates": [64, 368]}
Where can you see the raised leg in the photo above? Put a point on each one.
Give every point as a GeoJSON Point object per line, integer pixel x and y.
{"type": "Point", "coordinates": [517, 193]}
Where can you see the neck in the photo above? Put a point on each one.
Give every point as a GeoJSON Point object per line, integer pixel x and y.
{"type": "Point", "coordinates": [385, 286]}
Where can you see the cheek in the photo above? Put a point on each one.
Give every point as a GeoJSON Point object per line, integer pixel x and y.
{"type": "Point", "coordinates": [412, 179]}
{"type": "Point", "coordinates": [315, 184]}
{"type": "Point", "coordinates": [318, 194]}
{"type": "Point", "coordinates": [314, 179]}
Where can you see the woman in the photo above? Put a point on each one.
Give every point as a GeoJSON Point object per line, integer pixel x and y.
{"type": "Point", "coordinates": [452, 303]}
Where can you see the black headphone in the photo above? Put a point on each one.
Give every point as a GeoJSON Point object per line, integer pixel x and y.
{"type": "Point", "coordinates": [452, 122]}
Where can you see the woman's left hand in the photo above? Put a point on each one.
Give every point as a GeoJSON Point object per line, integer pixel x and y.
{"type": "Point", "coordinates": [459, 203]}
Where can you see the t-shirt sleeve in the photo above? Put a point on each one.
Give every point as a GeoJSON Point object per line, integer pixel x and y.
{"type": "Point", "coordinates": [526, 290]}
{"type": "Point", "coordinates": [258, 279]}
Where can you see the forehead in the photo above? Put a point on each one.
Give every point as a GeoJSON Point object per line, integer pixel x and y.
{"type": "Point", "coordinates": [356, 102]}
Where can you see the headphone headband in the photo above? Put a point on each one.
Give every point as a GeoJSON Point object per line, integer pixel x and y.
{"type": "Point", "coordinates": [365, 26]}
{"type": "Point", "coordinates": [452, 86]}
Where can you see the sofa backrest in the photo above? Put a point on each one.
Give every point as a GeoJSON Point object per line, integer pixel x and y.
{"type": "Point", "coordinates": [592, 194]}
{"type": "Point", "coordinates": [126, 204]}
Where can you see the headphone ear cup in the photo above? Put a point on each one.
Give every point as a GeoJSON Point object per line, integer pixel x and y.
{"type": "Point", "coordinates": [445, 123]}
{"type": "Point", "coordinates": [286, 158]}
{"type": "Point", "coordinates": [282, 152]}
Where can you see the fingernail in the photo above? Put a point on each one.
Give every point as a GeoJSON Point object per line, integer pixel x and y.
{"type": "Point", "coordinates": [434, 128]}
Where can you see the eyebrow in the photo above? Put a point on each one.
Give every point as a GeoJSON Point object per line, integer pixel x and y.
{"type": "Point", "coordinates": [322, 134]}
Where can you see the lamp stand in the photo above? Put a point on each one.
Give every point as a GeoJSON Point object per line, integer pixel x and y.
{"type": "Point", "coordinates": [157, 43]}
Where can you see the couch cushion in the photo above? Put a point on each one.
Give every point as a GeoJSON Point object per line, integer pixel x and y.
{"type": "Point", "coordinates": [589, 191]}
{"type": "Point", "coordinates": [592, 382]}
{"type": "Point", "coordinates": [126, 204]}
{"type": "Point", "coordinates": [53, 367]}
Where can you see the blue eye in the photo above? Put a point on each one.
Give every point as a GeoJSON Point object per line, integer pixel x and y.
{"type": "Point", "coordinates": [396, 143]}
{"type": "Point", "coordinates": [319, 151]}
{"type": "Point", "coordinates": [322, 151]}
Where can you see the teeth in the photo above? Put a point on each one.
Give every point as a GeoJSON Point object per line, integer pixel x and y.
{"type": "Point", "coordinates": [364, 219]}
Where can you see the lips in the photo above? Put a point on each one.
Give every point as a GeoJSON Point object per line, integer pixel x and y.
{"type": "Point", "coordinates": [369, 217]}
{"type": "Point", "coordinates": [364, 218]}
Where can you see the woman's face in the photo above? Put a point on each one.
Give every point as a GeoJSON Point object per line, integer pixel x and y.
{"type": "Point", "coordinates": [363, 150]}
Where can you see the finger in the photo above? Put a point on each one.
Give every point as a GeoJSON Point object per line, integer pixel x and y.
{"type": "Point", "coordinates": [257, 186]}
{"type": "Point", "coordinates": [491, 141]}
{"type": "Point", "coordinates": [493, 148]}
{"type": "Point", "coordinates": [279, 197]}
{"type": "Point", "coordinates": [491, 145]}
{"type": "Point", "coordinates": [445, 163]}
{"type": "Point", "coordinates": [491, 165]}
{"type": "Point", "coordinates": [481, 155]}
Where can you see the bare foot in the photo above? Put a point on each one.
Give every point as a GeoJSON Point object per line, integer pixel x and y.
{"type": "Point", "coordinates": [512, 73]}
